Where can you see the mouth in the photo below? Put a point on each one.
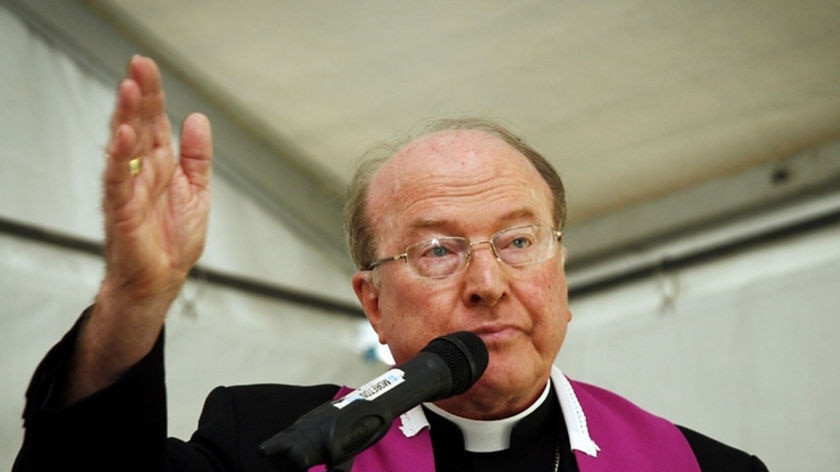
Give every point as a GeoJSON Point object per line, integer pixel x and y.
{"type": "Point", "coordinates": [492, 335]}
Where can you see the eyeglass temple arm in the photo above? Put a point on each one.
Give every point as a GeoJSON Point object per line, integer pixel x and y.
{"type": "Point", "coordinates": [379, 262]}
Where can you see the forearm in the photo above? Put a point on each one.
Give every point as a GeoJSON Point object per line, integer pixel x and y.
{"type": "Point", "coordinates": [120, 427]}
{"type": "Point", "coordinates": [113, 336]}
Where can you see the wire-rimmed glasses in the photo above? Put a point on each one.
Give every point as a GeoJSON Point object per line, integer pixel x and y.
{"type": "Point", "coordinates": [441, 257]}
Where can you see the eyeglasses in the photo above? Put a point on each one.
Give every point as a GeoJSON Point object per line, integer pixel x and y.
{"type": "Point", "coordinates": [441, 257]}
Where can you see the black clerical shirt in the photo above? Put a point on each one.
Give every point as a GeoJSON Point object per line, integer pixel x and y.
{"type": "Point", "coordinates": [534, 444]}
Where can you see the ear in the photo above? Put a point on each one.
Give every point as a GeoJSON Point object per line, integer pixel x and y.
{"type": "Point", "coordinates": [368, 294]}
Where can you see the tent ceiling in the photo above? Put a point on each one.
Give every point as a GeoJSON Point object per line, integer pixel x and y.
{"type": "Point", "coordinates": [630, 100]}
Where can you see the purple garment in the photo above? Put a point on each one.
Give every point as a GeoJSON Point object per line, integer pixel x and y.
{"type": "Point", "coordinates": [393, 452]}
{"type": "Point", "coordinates": [629, 439]}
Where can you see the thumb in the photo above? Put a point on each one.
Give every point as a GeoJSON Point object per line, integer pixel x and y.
{"type": "Point", "coordinates": [196, 149]}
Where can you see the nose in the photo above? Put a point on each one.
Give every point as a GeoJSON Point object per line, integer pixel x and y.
{"type": "Point", "coordinates": [485, 280]}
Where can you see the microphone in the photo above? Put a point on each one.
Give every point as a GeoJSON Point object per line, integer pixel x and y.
{"type": "Point", "coordinates": [336, 431]}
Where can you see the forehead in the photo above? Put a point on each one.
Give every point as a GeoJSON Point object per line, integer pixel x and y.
{"type": "Point", "coordinates": [452, 177]}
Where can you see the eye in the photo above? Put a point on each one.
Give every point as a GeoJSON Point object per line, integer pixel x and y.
{"type": "Point", "coordinates": [439, 248]}
{"type": "Point", "coordinates": [515, 242]}
{"type": "Point", "coordinates": [436, 251]}
{"type": "Point", "coordinates": [520, 242]}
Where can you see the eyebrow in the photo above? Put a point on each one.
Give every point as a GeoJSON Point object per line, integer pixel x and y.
{"type": "Point", "coordinates": [436, 223]}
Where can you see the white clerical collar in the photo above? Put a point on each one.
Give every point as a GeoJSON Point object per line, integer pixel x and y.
{"type": "Point", "coordinates": [413, 421]}
{"type": "Point", "coordinates": [488, 435]}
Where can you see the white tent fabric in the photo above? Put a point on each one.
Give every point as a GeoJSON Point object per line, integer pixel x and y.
{"type": "Point", "coordinates": [214, 335]}
{"type": "Point", "coordinates": [742, 348]}
{"type": "Point", "coordinates": [53, 129]}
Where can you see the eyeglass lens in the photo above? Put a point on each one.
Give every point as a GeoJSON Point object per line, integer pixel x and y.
{"type": "Point", "coordinates": [441, 257]}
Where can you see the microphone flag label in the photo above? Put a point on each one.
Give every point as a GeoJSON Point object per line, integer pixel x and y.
{"type": "Point", "coordinates": [373, 389]}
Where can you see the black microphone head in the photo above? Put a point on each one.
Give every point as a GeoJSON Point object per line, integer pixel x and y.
{"type": "Point", "coordinates": [465, 355]}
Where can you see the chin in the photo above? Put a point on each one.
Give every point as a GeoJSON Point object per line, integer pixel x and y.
{"type": "Point", "coordinates": [514, 373]}
{"type": "Point", "coordinates": [506, 382]}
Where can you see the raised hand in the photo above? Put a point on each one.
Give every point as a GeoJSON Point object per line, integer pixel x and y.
{"type": "Point", "coordinates": [156, 207]}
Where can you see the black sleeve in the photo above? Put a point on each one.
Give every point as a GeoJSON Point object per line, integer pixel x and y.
{"type": "Point", "coordinates": [715, 456]}
{"type": "Point", "coordinates": [235, 420]}
{"type": "Point", "coordinates": [122, 427]}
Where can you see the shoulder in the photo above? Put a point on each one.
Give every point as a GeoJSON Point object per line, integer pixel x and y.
{"type": "Point", "coordinates": [271, 397]}
{"type": "Point", "coordinates": [254, 412]}
{"type": "Point", "coordinates": [711, 454]}
{"type": "Point", "coordinates": [715, 455]}
{"type": "Point", "coordinates": [589, 396]}
{"type": "Point", "coordinates": [279, 391]}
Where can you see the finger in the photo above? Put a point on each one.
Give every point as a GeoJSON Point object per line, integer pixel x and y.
{"type": "Point", "coordinates": [146, 73]}
{"type": "Point", "coordinates": [127, 108]}
{"type": "Point", "coordinates": [152, 104]}
{"type": "Point", "coordinates": [141, 105]}
{"type": "Point", "coordinates": [118, 177]}
{"type": "Point", "coordinates": [196, 149]}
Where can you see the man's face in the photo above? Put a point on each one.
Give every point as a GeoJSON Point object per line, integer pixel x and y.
{"type": "Point", "coordinates": [468, 184]}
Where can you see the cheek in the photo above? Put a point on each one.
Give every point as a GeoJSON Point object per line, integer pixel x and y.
{"type": "Point", "coordinates": [547, 301]}
{"type": "Point", "coordinates": [541, 292]}
{"type": "Point", "coordinates": [410, 318]}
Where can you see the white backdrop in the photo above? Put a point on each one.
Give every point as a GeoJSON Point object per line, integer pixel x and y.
{"type": "Point", "coordinates": [744, 350]}
{"type": "Point", "coordinates": [53, 127]}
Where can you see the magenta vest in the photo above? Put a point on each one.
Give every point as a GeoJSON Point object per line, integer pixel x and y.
{"type": "Point", "coordinates": [629, 438]}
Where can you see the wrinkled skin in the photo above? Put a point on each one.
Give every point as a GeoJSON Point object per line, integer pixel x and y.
{"type": "Point", "coordinates": [469, 184]}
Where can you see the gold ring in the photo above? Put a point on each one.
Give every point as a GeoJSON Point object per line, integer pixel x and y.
{"type": "Point", "coordinates": [135, 165]}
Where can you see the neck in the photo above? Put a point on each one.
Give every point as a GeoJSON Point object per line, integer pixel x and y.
{"type": "Point", "coordinates": [489, 435]}
{"type": "Point", "coordinates": [492, 401]}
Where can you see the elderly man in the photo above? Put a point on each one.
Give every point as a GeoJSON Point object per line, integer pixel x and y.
{"type": "Point", "coordinates": [459, 229]}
